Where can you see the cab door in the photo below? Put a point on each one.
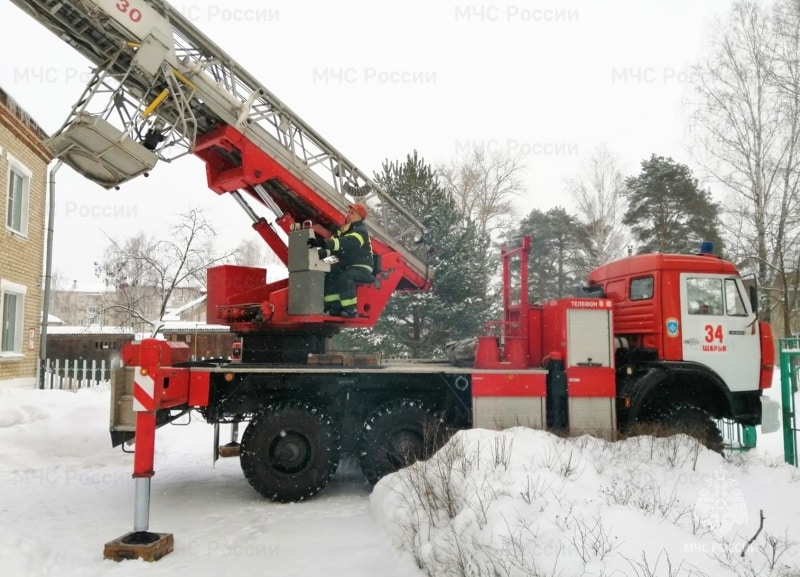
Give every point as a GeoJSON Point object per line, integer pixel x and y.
{"type": "Point", "coordinates": [719, 330]}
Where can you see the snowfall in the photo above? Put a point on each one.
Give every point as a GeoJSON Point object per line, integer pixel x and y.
{"type": "Point", "coordinates": [506, 504]}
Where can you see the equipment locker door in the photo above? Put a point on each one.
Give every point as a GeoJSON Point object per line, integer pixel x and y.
{"type": "Point", "coordinates": [719, 330]}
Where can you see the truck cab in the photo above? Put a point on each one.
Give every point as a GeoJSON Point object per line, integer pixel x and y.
{"type": "Point", "coordinates": [687, 335]}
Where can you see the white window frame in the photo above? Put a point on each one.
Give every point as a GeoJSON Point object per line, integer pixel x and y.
{"type": "Point", "coordinates": [18, 290]}
{"type": "Point", "coordinates": [18, 168]}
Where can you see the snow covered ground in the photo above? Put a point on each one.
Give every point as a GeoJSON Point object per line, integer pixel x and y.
{"type": "Point", "coordinates": [516, 503]}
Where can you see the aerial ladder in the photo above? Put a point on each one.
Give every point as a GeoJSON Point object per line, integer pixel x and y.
{"type": "Point", "coordinates": [160, 90]}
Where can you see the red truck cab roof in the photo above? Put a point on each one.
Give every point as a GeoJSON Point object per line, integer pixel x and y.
{"type": "Point", "coordinates": [645, 263]}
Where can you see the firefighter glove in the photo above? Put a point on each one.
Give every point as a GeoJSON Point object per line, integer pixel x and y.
{"type": "Point", "coordinates": [315, 242]}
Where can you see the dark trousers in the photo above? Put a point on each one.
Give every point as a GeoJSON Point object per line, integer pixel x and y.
{"type": "Point", "coordinates": [340, 286]}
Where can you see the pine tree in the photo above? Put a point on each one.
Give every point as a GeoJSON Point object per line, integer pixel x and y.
{"type": "Point", "coordinates": [560, 245]}
{"type": "Point", "coordinates": [420, 324]}
{"type": "Point", "coordinates": [667, 211]}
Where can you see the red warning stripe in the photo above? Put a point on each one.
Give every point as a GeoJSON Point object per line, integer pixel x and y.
{"type": "Point", "coordinates": [143, 392]}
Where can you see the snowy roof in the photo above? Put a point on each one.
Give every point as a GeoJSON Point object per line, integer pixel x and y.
{"type": "Point", "coordinates": [52, 319]}
{"type": "Point", "coordinates": [85, 287]}
{"type": "Point", "coordinates": [175, 314]}
{"type": "Point", "coordinates": [193, 327]}
{"type": "Point", "coordinates": [21, 114]}
{"type": "Point", "coordinates": [87, 330]}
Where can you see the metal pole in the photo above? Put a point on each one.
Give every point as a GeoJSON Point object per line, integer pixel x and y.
{"type": "Point", "coordinates": [141, 512]}
{"type": "Point", "coordinates": [48, 267]}
{"type": "Point", "coordinates": [143, 457]}
{"type": "Point", "coordinates": [788, 350]}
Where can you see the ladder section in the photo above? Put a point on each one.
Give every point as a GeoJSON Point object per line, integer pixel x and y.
{"type": "Point", "coordinates": [164, 83]}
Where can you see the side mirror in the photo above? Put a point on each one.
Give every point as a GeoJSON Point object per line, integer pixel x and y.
{"type": "Point", "coordinates": [753, 293]}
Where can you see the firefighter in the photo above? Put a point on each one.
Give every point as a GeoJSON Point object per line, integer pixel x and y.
{"type": "Point", "coordinates": [352, 248]}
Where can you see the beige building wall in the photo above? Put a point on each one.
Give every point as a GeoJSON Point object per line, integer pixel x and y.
{"type": "Point", "coordinates": [80, 307]}
{"type": "Point", "coordinates": [23, 163]}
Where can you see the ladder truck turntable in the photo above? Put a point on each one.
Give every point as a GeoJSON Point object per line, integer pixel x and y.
{"type": "Point", "coordinates": [650, 338]}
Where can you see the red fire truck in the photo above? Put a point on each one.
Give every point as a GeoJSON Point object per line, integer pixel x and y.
{"type": "Point", "coordinates": [667, 338]}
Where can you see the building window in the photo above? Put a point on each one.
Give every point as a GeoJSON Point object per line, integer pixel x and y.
{"type": "Point", "coordinates": [17, 197]}
{"type": "Point", "coordinates": [12, 297]}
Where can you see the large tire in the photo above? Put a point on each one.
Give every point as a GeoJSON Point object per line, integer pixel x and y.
{"type": "Point", "coordinates": [290, 451]}
{"type": "Point", "coordinates": [396, 435]}
{"type": "Point", "coordinates": [695, 422]}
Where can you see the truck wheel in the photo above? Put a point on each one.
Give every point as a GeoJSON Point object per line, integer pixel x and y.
{"type": "Point", "coordinates": [395, 436]}
{"type": "Point", "coordinates": [696, 423]}
{"type": "Point", "coordinates": [290, 451]}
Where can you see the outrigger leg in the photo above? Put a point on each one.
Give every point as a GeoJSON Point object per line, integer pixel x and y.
{"type": "Point", "coordinates": [141, 543]}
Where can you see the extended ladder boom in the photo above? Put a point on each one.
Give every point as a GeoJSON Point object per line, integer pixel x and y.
{"type": "Point", "coordinates": [167, 89]}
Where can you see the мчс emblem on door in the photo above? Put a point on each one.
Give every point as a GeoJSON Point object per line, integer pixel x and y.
{"type": "Point", "coordinates": [672, 327]}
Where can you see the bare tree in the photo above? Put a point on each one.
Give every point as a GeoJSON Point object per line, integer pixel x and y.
{"type": "Point", "coordinates": [249, 252]}
{"type": "Point", "coordinates": [786, 287]}
{"type": "Point", "coordinates": [747, 117]}
{"type": "Point", "coordinates": [58, 280]}
{"type": "Point", "coordinates": [600, 205]}
{"type": "Point", "coordinates": [146, 272]}
{"type": "Point", "coordinates": [483, 183]}
{"type": "Point", "coordinates": [254, 252]}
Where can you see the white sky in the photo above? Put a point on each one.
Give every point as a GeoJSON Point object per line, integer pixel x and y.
{"type": "Point", "coordinates": [549, 79]}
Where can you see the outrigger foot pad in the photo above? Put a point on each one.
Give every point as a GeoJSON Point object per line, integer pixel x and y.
{"type": "Point", "coordinates": [139, 545]}
{"type": "Point", "coordinates": [230, 450]}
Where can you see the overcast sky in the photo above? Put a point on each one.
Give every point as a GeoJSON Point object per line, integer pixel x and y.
{"type": "Point", "coordinates": [547, 80]}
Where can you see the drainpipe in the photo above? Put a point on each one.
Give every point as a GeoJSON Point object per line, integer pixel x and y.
{"type": "Point", "coordinates": [48, 268]}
